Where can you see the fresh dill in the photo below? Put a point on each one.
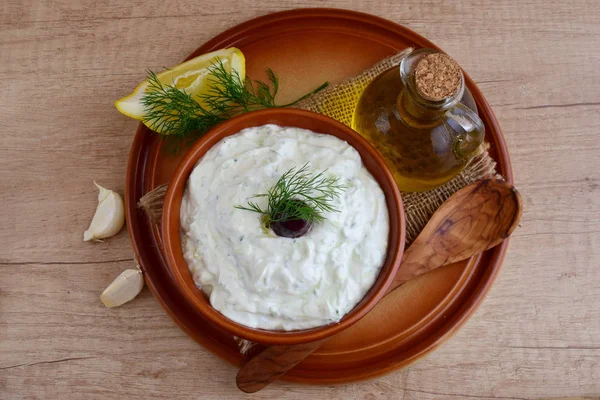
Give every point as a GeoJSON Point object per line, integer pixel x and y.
{"type": "Point", "coordinates": [181, 116]}
{"type": "Point", "coordinates": [298, 195]}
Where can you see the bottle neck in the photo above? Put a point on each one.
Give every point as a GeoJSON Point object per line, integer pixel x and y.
{"type": "Point", "coordinates": [412, 107]}
{"type": "Point", "coordinates": [413, 113]}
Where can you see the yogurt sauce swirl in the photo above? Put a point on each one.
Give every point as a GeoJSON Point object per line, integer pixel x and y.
{"type": "Point", "coordinates": [261, 280]}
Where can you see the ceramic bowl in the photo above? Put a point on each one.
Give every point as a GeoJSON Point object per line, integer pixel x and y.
{"type": "Point", "coordinates": [301, 119]}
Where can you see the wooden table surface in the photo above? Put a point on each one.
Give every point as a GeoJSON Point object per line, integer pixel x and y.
{"type": "Point", "coordinates": [63, 63]}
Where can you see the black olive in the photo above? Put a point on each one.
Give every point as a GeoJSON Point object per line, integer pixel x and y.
{"type": "Point", "coordinates": [290, 228]}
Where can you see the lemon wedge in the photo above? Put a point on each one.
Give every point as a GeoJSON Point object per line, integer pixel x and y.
{"type": "Point", "coordinates": [190, 76]}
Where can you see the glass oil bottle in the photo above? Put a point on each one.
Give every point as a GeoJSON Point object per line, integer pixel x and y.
{"type": "Point", "coordinates": [421, 120]}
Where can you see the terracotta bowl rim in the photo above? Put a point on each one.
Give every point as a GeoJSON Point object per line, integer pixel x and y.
{"type": "Point", "coordinates": [170, 226]}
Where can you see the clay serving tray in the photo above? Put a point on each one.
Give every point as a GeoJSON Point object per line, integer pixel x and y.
{"type": "Point", "coordinates": [305, 48]}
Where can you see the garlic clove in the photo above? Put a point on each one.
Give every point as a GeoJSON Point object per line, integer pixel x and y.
{"type": "Point", "coordinates": [123, 289]}
{"type": "Point", "coordinates": [109, 217]}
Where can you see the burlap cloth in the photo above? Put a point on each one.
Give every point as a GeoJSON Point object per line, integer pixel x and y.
{"type": "Point", "coordinates": [338, 102]}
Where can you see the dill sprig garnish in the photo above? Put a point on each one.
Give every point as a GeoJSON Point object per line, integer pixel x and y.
{"type": "Point", "coordinates": [298, 195]}
{"type": "Point", "coordinates": [184, 117]}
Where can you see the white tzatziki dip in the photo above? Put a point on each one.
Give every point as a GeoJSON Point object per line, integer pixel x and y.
{"type": "Point", "coordinates": [257, 278]}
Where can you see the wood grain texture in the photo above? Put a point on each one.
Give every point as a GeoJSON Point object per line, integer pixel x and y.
{"type": "Point", "coordinates": [271, 363]}
{"type": "Point", "coordinates": [63, 63]}
{"type": "Point", "coordinates": [473, 220]}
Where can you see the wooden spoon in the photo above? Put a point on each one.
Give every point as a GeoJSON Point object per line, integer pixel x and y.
{"type": "Point", "coordinates": [472, 220]}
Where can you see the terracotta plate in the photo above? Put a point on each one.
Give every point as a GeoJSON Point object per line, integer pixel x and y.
{"type": "Point", "coordinates": [306, 48]}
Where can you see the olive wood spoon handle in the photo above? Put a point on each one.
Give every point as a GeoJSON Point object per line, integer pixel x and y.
{"type": "Point", "coordinates": [474, 219]}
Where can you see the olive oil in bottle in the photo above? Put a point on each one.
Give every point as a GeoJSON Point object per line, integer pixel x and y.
{"type": "Point", "coordinates": [416, 120]}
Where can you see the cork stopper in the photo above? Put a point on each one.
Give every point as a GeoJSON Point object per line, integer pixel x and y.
{"type": "Point", "coordinates": [437, 76]}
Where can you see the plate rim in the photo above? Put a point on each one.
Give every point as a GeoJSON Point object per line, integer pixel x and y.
{"type": "Point", "coordinates": [464, 311]}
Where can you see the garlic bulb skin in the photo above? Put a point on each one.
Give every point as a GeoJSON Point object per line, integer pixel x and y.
{"type": "Point", "coordinates": [123, 289]}
{"type": "Point", "coordinates": [109, 217]}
